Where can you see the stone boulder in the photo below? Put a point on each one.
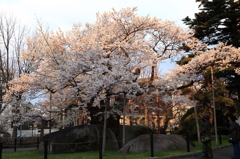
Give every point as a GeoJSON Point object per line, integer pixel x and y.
{"type": "Point", "coordinates": [131, 132]}
{"type": "Point", "coordinates": [161, 142]}
{"type": "Point", "coordinates": [78, 139]}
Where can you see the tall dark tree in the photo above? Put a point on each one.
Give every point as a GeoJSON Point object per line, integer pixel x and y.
{"type": "Point", "coordinates": [217, 22]}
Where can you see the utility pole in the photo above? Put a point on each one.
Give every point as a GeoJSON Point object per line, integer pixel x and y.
{"type": "Point", "coordinates": [214, 108]}
{"type": "Point", "coordinates": [196, 118]}
{"type": "Point", "coordinates": [50, 120]}
{"type": "Point", "coordinates": [124, 116]}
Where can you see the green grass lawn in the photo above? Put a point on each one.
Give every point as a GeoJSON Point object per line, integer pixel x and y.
{"type": "Point", "coordinates": [35, 154]}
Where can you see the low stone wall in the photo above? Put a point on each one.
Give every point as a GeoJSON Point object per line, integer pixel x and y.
{"type": "Point", "coordinates": [21, 142]}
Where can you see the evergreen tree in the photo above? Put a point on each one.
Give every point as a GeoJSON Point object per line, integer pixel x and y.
{"type": "Point", "coordinates": [217, 22]}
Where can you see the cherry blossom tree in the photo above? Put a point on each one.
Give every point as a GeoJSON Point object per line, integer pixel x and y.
{"type": "Point", "coordinates": [222, 58]}
{"type": "Point", "coordinates": [92, 66]}
{"type": "Point", "coordinates": [118, 41]}
{"type": "Point", "coordinates": [12, 41]}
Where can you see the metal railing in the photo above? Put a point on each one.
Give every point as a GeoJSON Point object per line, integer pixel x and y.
{"type": "Point", "coordinates": [19, 143]}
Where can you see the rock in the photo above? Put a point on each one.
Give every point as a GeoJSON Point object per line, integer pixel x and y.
{"type": "Point", "coordinates": [131, 132]}
{"type": "Point", "coordinates": [78, 139]}
{"type": "Point", "coordinates": [162, 142]}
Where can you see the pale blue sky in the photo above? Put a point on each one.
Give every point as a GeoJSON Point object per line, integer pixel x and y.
{"type": "Point", "coordinates": [63, 13]}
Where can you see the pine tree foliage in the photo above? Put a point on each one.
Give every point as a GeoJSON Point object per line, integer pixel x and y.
{"type": "Point", "coordinates": [217, 22]}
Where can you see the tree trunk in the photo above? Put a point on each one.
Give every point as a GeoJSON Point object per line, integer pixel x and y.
{"type": "Point", "coordinates": [158, 122]}
{"type": "Point", "coordinates": [131, 121]}
{"type": "Point", "coordinates": [196, 118]}
{"type": "Point", "coordinates": [82, 117]}
{"type": "Point", "coordinates": [1, 94]}
{"type": "Point", "coordinates": [42, 128]}
{"type": "Point", "coordinates": [14, 132]}
{"type": "Point", "coordinates": [105, 125]}
{"type": "Point", "coordinates": [238, 85]}
{"type": "Point", "coordinates": [197, 123]}
{"type": "Point", "coordinates": [214, 108]}
{"type": "Point", "coordinates": [123, 139]}
{"type": "Point", "coordinates": [95, 119]}
{"type": "Point", "coordinates": [146, 116]}
{"type": "Point", "coordinates": [166, 120]}
{"type": "Point", "coordinates": [152, 74]}
{"type": "Point", "coordinates": [50, 120]}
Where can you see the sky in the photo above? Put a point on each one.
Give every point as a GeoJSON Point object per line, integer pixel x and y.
{"type": "Point", "coordinates": [63, 13]}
